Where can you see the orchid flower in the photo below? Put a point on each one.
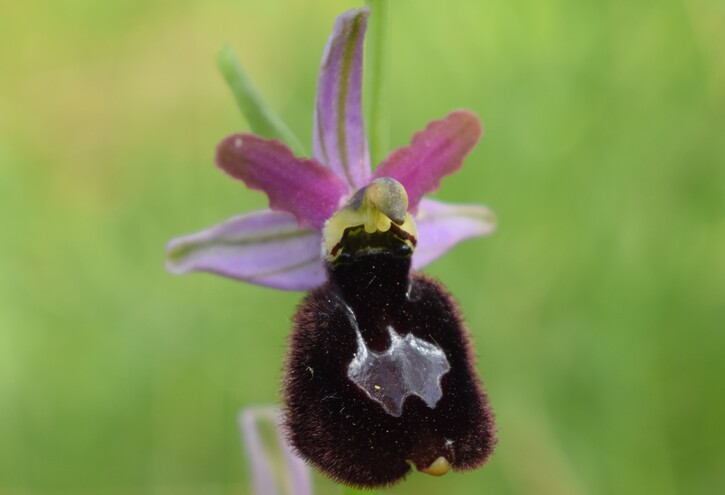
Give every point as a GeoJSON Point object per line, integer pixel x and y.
{"type": "Point", "coordinates": [380, 371]}
{"type": "Point", "coordinates": [280, 247]}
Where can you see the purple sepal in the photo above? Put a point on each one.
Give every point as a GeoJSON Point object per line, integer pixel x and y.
{"type": "Point", "coordinates": [265, 248]}
{"type": "Point", "coordinates": [297, 474]}
{"type": "Point", "coordinates": [441, 226]}
{"type": "Point", "coordinates": [435, 152]}
{"type": "Point", "coordinates": [339, 130]}
{"type": "Point", "coordinates": [299, 186]}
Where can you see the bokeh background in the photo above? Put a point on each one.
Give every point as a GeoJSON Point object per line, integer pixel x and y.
{"type": "Point", "coordinates": [597, 308]}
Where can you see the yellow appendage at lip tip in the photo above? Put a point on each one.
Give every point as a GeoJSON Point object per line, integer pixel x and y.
{"type": "Point", "coordinates": [439, 467]}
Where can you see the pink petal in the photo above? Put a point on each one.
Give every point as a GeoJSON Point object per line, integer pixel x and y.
{"type": "Point", "coordinates": [435, 152]}
{"type": "Point", "coordinates": [299, 186]}
{"type": "Point", "coordinates": [266, 248]}
{"type": "Point", "coordinates": [339, 130]}
{"type": "Point", "coordinates": [441, 226]}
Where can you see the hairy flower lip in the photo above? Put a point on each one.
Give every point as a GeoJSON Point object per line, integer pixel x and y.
{"type": "Point", "coordinates": [336, 425]}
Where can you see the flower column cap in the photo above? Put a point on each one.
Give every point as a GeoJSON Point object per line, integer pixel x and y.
{"type": "Point", "coordinates": [379, 208]}
{"type": "Point", "coordinates": [389, 197]}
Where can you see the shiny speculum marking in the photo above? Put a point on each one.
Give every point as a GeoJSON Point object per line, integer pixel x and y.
{"type": "Point", "coordinates": [410, 366]}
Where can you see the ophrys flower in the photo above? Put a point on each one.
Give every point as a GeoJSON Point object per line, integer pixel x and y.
{"type": "Point", "coordinates": [380, 371]}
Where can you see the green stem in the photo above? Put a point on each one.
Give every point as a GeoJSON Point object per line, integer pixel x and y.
{"type": "Point", "coordinates": [377, 70]}
{"type": "Point", "coordinates": [262, 120]}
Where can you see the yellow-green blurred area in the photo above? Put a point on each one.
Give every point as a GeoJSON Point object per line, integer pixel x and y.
{"type": "Point", "coordinates": [597, 308]}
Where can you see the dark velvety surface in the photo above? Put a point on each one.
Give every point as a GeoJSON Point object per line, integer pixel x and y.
{"type": "Point", "coordinates": [334, 424]}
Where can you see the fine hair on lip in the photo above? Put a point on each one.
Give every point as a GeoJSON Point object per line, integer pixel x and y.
{"type": "Point", "coordinates": [336, 424]}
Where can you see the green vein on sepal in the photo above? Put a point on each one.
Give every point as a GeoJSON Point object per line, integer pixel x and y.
{"type": "Point", "coordinates": [262, 120]}
{"type": "Point", "coordinates": [178, 253]}
{"type": "Point", "coordinates": [377, 70]}
{"type": "Point", "coordinates": [344, 86]}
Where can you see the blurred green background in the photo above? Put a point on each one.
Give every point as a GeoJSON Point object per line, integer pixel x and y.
{"type": "Point", "coordinates": [598, 307]}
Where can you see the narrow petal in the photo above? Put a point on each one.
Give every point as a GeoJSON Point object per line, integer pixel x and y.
{"type": "Point", "coordinates": [261, 451]}
{"type": "Point", "coordinates": [299, 186]}
{"type": "Point", "coordinates": [441, 226]}
{"type": "Point", "coordinates": [435, 152]}
{"type": "Point", "coordinates": [266, 248]}
{"type": "Point", "coordinates": [339, 129]}
{"type": "Point", "coordinates": [262, 473]}
{"type": "Point", "coordinates": [300, 478]}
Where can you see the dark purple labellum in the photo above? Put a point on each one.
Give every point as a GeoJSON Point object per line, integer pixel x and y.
{"type": "Point", "coordinates": [380, 373]}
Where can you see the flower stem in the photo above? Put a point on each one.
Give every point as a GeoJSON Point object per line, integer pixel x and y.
{"type": "Point", "coordinates": [262, 120]}
{"type": "Point", "coordinates": [377, 77]}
